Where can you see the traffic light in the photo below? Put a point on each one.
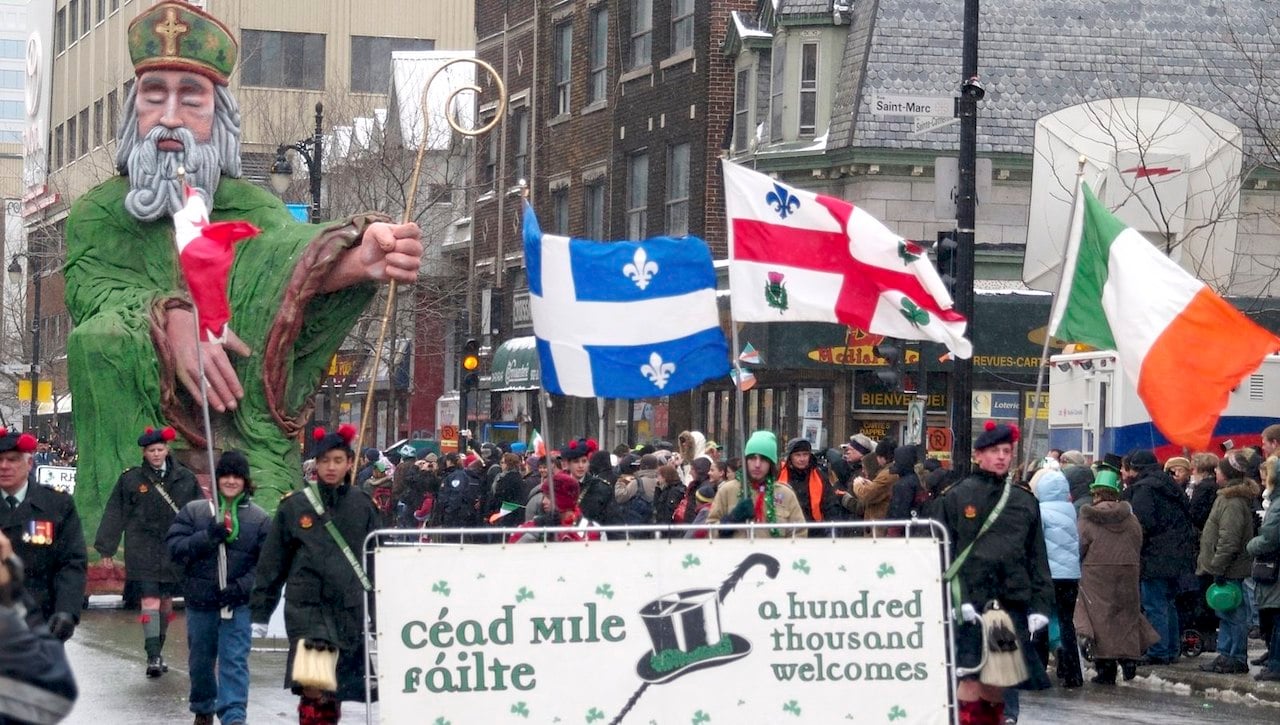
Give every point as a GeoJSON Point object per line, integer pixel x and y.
{"type": "Point", "coordinates": [946, 258]}
{"type": "Point", "coordinates": [470, 364]}
{"type": "Point", "coordinates": [891, 351]}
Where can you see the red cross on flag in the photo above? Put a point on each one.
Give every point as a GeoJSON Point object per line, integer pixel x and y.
{"type": "Point", "coordinates": [205, 252]}
{"type": "Point", "coordinates": [798, 256]}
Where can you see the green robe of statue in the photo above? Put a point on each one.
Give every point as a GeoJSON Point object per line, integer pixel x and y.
{"type": "Point", "coordinates": [121, 277]}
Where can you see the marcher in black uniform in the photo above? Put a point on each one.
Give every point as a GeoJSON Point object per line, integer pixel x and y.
{"type": "Point", "coordinates": [322, 604]}
{"type": "Point", "coordinates": [38, 684]}
{"type": "Point", "coordinates": [44, 529]}
{"type": "Point", "coordinates": [1007, 564]}
{"type": "Point", "coordinates": [142, 505]}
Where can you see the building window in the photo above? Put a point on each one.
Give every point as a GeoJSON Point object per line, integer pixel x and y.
{"type": "Point", "coordinates": [598, 89]}
{"type": "Point", "coordinates": [808, 89]}
{"type": "Point", "coordinates": [490, 159]}
{"type": "Point", "coordinates": [58, 149]}
{"type": "Point", "coordinates": [282, 60]}
{"type": "Point", "coordinates": [638, 196]}
{"type": "Point", "coordinates": [641, 32]}
{"type": "Point", "coordinates": [560, 209]}
{"type": "Point", "coordinates": [593, 209]}
{"type": "Point", "coordinates": [678, 190]}
{"type": "Point", "coordinates": [115, 5]}
{"type": "Point", "coordinates": [681, 25]}
{"type": "Point", "coordinates": [86, 17]}
{"type": "Point", "coordinates": [520, 170]}
{"type": "Point", "coordinates": [98, 120]}
{"type": "Point", "coordinates": [775, 92]}
{"type": "Point", "coordinates": [73, 21]}
{"type": "Point", "coordinates": [113, 113]}
{"type": "Point", "coordinates": [60, 31]}
{"type": "Point", "coordinates": [12, 111]}
{"type": "Point", "coordinates": [371, 60]}
{"type": "Point", "coordinates": [13, 80]}
{"type": "Point", "coordinates": [101, 7]}
{"type": "Point", "coordinates": [742, 110]}
{"type": "Point", "coordinates": [84, 130]}
{"type": "Point", "coordinates": [564, 66]}
{"type": "Point", "coordinates": [71, 139]}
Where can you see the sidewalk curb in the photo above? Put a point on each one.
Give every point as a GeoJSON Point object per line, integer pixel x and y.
{"type": "Point", "coordinates": [1187, 673]}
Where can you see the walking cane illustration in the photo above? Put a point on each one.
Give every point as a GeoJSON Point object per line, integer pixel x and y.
{"type": "Point", "coordinates": [685, 629]}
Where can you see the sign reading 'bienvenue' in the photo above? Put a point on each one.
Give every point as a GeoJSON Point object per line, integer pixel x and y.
{"type": "Point", "coordinates": [730, 630]}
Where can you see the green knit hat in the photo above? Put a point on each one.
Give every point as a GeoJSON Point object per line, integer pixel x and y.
{"type": "Point", "coordinates": [179, 36]}
{"type": "Point", "coordinates": [763, 443]}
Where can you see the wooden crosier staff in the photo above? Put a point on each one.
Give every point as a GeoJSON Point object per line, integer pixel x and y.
{"type": "Point", "coordinates": [413, 194]}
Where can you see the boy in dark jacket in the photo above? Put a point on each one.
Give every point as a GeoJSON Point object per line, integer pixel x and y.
{"type": "Point", "coordinates": [1008, 563]}
{"type": "Point", "coordinates": [142, 505]}
{"type": "Point", "coordinates": [322, 606]}
{"type": "Point", "coordinates": [218, 627]}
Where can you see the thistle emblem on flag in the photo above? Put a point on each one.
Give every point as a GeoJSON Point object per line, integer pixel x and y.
{"type": "Point", "coordinates": [775, 293]}
{"type": "Point", "coordinates": [782, 201]}
{"type": "Point", "coordinates": [915, 314]}
{"type": "Point", "coordinates": [909, 251]}
{"type": "Point", "coordinates": [658, 371]}
{"type": "Point", "coordinates": [640, 269]}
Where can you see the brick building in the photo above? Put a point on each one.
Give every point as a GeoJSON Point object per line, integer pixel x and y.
{"type": "Point", "coordinates": [618, 112]}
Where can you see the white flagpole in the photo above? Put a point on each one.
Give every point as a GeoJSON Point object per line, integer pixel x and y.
{"type": "Point", "coordinates": [739, 419]}
{"type": "Point", "coordinates": [1059, 305]}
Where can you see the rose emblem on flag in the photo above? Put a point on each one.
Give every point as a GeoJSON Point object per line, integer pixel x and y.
{"type": "Point", "coordinates": [775, 292]}
{"type": "Point", "coordinates": [782, 201]}
{"type": "Point", "coordinates": [909, 251]}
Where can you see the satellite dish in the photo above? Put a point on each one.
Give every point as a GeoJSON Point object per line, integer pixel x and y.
{"type": "Point", "coordinates": [1167, 169]}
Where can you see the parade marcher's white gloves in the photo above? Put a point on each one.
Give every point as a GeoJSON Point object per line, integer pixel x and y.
{"type": "Point", "coordinates": [969, 614]}
{"type": "Point", "coordinates": [259, 631]}
{"type": "Point", "coordinates": [1036, 622]}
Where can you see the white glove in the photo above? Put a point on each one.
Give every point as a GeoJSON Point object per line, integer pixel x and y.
{"type": "Point", "coordinates": [259, 630]}
{"type": "Point", "coordinates": [1036, 622]}
{"type": "Point", "coordinates": [969, 614]}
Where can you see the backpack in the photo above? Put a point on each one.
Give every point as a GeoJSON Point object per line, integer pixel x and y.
{"type": "Point", "coordinates": [638, 510]}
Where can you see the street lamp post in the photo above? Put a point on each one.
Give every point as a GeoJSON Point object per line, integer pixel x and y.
{"type": "Point", "coordinates": [312, 152]}
{"type": "Point", "coordinates": [15, 275]}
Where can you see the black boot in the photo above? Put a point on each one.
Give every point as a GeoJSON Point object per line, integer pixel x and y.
{"type": "Point", "coordinates": [1129, 669]}
{"type": "Point", "coordinates": [155, 663]}
{"type": "Point", "coordinates": [1106, 672]}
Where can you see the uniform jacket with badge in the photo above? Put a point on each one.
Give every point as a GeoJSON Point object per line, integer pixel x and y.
{"type": "Point", "coordinates": [1228, 530]}
{"type": "Point", "coordinates": [1008, 562]}
{"type": "Point", "coordinates": [462, 499]}
{"type": "Point", "coordinates": [46, 534]}
{"type": "Point", "coordinates": [1168, 538]}
{"type": "Point", "coordinates": [138, 507]}
{"type": "Point", "coordinates": [189, 544]}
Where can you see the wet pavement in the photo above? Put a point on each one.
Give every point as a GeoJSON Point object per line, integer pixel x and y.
{"type": "Point", "coordinates": [106, 653]}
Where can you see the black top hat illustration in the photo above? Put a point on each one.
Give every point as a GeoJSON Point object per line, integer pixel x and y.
{"type": "Point", "coordinates": [685, 630]}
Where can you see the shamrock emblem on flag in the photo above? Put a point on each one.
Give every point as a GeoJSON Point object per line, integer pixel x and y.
{"type": "Point", "coordinates": [915, 314]}
{"type": "Point", "coordinates": [782, 201]}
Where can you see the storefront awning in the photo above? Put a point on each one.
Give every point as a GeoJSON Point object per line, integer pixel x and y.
{"type": "Point", "coordinates": [515, 366]}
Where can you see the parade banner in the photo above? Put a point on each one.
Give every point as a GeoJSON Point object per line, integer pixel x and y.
{"type": "Point", "coordinates": [773, 630]}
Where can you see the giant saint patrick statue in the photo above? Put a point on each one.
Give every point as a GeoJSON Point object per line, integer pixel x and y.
{"type": "Point", "coordinates": [295, 289]}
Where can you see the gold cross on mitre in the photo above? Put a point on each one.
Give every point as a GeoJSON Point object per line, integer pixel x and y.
{"type": "Point", "coordinates": [171, 29]}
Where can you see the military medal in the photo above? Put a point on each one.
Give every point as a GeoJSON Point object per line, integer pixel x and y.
{"type": "Point", "coordinates": [971, 512]}
{"type": "Point", "coordinates": [39, 533]}
{"type": "Point", "coordinates": [306, 521]}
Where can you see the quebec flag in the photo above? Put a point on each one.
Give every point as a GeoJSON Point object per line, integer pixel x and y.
{"type": "Point", "coordinates": [623, 319]}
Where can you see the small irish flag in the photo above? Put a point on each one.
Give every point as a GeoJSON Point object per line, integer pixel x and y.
{"type": "Point", "coordinates": [507, 507]}
{"type": "Point", "coordinates": [750, 355]}
{"type": "Point", "coordinates": [1170, 331]}
{"type": "Point", "coordinates": [537, 445]}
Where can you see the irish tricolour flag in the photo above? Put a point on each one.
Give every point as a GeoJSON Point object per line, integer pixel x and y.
{"type": "Point", "coordinates": [1183, 347]}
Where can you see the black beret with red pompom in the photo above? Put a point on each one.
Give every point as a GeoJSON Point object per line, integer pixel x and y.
{"type": "Point", "coordinates": [151, 436]}
{"type": "Point", "coordinates": [994, 433]}
{"type": "Point", "coordinates": [15, 441]}
{"type": "Point", "coordinates": [340, 438]}
{"type": "Point", "coordinates": [576, 449]}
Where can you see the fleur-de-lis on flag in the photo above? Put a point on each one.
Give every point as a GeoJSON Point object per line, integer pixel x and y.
{"type": "Point", "coordinates": [640, 269]}
{"type": "Point", "coordinates": [657, 371]}
{"type": "Point", "coordinates": [915, 314]}
{"type": "Point", "coordinates": [782, 201]}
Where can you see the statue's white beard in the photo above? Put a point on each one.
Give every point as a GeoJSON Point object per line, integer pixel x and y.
{"type": "Point", "coordinates": [154, 190]}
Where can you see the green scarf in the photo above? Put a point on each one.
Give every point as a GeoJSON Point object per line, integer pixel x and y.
{"type": "Point", "coordinates": [229, 512]}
